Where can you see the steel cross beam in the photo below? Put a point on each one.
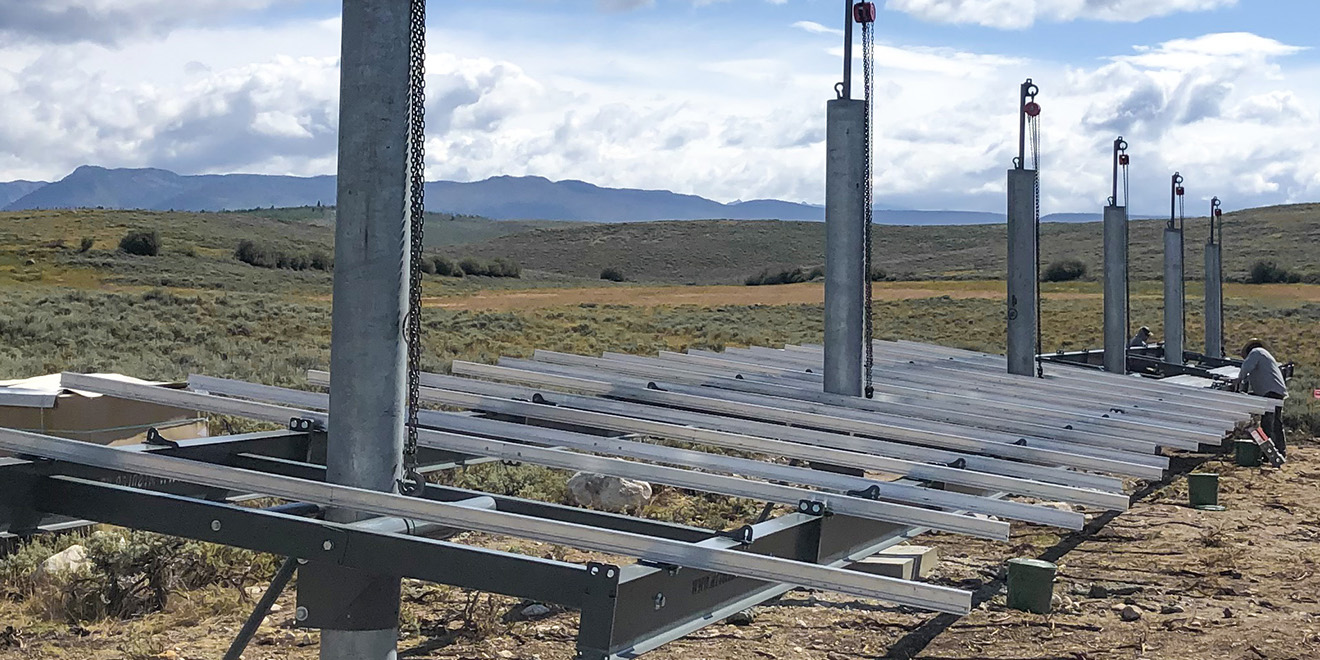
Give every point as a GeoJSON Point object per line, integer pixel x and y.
{"type": "Point", "coordinates": [930, 597]}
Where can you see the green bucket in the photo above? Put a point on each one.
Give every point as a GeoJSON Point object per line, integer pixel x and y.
{"type": "Point", "coordinates": [1203, 489]}
{"type": "Point", "coordinates": [1031, 585]}
{"type": "Point", "coordinates": [1246, 453]}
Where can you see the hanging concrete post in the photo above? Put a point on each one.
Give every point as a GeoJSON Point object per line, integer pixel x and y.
{"type": "Point", "coordinates": [844, 277]}
{"type": "Point", "coordinates": [1174, 295]}
{"type": "Point", "coordinates": [1214, 284]}
{"type": "Point", "coordinates": [1023, 279]}
{"type": "Point", "coordinates": [1116, 271]}
{"type": "Point", "coordinates": [358, 613]}
{"type": "Point", "coordinates": [1116, 289]}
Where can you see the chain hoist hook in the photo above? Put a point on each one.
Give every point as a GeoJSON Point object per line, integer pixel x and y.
{"type": "Point", "coordinates": [412, 484]}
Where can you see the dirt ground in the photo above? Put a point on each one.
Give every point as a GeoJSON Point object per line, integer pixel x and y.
{"type": "Point", "coordinates": [1235, 585]}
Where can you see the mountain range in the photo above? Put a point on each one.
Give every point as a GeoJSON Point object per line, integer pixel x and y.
{"type": "Point", "coordinates": [498, 198]}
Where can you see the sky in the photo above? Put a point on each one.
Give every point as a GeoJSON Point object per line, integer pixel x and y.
{"type": "Point", "coordinates": [719, 98]}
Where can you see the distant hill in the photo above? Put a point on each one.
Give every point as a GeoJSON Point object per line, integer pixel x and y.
{"type": "Point", "coordinates": [11, 191]}
{"type": "Point", "coordinates": [499, 198]}
{"type": "Point", "coordinates": [711, 252]}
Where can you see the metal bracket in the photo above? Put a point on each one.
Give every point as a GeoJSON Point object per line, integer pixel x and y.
{"type": "Point", "coordinates": [871, 492]}
{"type": "Point", "coordinates": [814, 508]}
{"type": "Point", "coordinates": [155, 438]}
{"type": "Point", "coordinates": [957, 463]}
{"type": "Point", "coordinates": [744, 535]}
{"type": "Point", "coordinates": [306, 425]}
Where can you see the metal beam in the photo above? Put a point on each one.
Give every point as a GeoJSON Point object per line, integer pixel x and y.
{"type": "Point", "coordinates": [811, 420]}
{"type": "Point", "coordinates": [923, 596]}
{"type": "Point", "coordinates": [845, 221]}
{"type": "Point", "coordinates": [1023, 286]}
{"type": "Point", "coordinates": [1116, 288]}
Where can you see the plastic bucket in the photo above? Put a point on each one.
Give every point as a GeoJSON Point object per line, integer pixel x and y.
{"type": "Point", "coordinates": [1203, 489]}
{"type": "Point", "coordinates": [1246, 453]}
{"type": "Point", "coordinates": [1031, 585]}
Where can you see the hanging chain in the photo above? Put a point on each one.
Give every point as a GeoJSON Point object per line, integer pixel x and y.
{"type": "Point", "coordinates": [1033, 126]}
{"type": "Point", "coordinates": [413, 482]}
{"type": "Point", "coordinates": [868, 64]}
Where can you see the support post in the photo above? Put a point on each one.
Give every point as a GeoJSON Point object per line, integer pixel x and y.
{"type": "Point", "coordinates": [1116, 288]}
{"type": "Point", "coordinates": [1023, 288]}
{"type": "Point", "coordinates": [1174, 293]}
{"type": "Point", "coordinates": [1214, 285]}
{"type": "Point", "coordinates": [368, 356]}
{"type": "Point", "coordinates": [844, 277]}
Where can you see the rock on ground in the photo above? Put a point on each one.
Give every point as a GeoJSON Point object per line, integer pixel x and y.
{"type": "Point", "coordinates": [608, 493]}
{"type": "Point", "coordinates": [66, 562]}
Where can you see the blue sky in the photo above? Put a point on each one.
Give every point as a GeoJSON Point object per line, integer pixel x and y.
{"type": "Point", "coordinates": [719, 98]}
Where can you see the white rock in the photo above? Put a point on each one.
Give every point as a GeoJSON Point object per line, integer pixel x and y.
{"type": "Point", "coordinates": [609, 493]}
{"type": "Point", "coordinates": [71, 560]}
{"type": "Point", "coordinates": [535, 611]}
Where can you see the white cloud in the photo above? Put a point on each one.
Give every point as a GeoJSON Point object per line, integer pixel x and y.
{"type": "Point", "coordinates": [1019, 14]}
{"type": "Point", "coordinates": [112, 21]}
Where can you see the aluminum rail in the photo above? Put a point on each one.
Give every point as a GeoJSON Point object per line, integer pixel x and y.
{"type": "Point", "coordinates": [897, 455]}
{"type": "Point", "coordinates": [456, 391]}
{"type": "Point", "coordinates": [1165, 417]}
{"type": "Point", "coordinates": [1137, 392]}
{"type": "Point", "coordinates": [583, 537]}
{"type": "Point", "coordinates": [1099, 379]}
{"type": "Point", "coordinates": [856, 506]}
{"type": "Point", "coordinates": [834, 412]}
{"type": "Point", "coordinates": [558, 458]}
{"type": "Point", "coordinates": [761, 412]}
{"type": "Point", "coordinates": [968, 412]}
{"type": "Point", "coordinates": [991, 410]}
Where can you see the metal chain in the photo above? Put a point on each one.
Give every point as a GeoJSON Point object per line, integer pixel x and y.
{"type": "Point", "coordinates": [1034, 125]}
{"type": "Point", "coordinates": [868, 64]}
{"type": "Point", "coordinates": [413, 482]}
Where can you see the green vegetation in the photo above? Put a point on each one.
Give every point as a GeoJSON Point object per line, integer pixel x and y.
{"type": "Point", "coordinates": [1065, 270]}
{"type": "Point", "coordinates": [613, 274]}
{"type": "Point", "coordinates": [140, 243]}
{"type": "Point", "coordinates": [263, 256]}
{"type": "Point", "coordinates": [497, 267]}
{"type": "Point", "coordinates": [86, 244]}
{"type": "Point", "coordinates": [1268, 272]}
{"type": "Point", "coordinates": [789, 276]}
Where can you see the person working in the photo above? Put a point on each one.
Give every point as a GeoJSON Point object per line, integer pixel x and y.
{"type": "Point", "coordinates": [1261, 374]}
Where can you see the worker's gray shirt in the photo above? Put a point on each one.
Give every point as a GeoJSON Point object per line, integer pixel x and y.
{"type": "Point", "coordinates": [1261, 372]}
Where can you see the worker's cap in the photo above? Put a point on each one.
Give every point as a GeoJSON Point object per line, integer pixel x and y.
{"type": "Point", "coordinates": [1251, 346]}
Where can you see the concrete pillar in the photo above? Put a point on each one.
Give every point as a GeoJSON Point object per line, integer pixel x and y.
{"type": "Point", "coordinates": [1023, 287]}
{"type": "Point", "coordinates": [1116, 289]}
{"type": "Point", "coordinates": [845, 283]}
{"type": "Point", "coordinates": [1173, 295]}
{"type": "Point", "coordinates": [367, 353]}
{"type": "Point", "coordinates": [1214, 300]}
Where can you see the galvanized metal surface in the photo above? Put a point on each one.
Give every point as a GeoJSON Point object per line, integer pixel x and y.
{"type": "Point", "coordinates": [1116, 289]}
{"type": "Point", "coordinates": [1214, 300]}
{"type": "Point", "coordinates": [845, 169]}
{"type": "Point", "coordinates": [1174, 296]}
{"type": "Point", "coordinates": [930, 597]}
{"type": "Point", "coordinates": [1023, 283]}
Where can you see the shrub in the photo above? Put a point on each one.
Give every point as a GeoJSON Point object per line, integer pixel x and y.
{"type": "Point", "coordinates": [613, 274]}
{"type": "Point", "coordinates": [1268, 272]}
{"type": "Point", "coordinates": [472, 266]}
{"type": "Point", "coordinates": [427, 266]}
{"type": "Point", "coordinates": [878, 274]}
{"type": "Point", "coordinates": [141, 243]}
{"type": "Point", "coordinates": [443, 267]}
{"type": "Point", "coordinates": [262, 256]}
{"type": "Point", "coordinates": [498, 267]}
{"type": "Point", "coordinates": [1066, 270]}
{"type": "Point", "coordinates": [790, 276]}
{"type": "Point", "coordinates": [86, 244]}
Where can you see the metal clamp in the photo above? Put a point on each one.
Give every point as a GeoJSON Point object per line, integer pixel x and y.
{"type": "Point", "coordinates": [155, 438]}
{"type": "Point", "coordinates": [871, 492]}
{"type": "Point", "coordinates": [744, 535]}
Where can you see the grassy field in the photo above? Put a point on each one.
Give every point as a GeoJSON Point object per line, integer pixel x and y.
{"type": "Point", "coordinates": [727, 251]}
{"type": "Point", "coordinates": [196, 309]}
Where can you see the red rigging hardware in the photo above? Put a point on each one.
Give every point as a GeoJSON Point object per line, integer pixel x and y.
{"type": "Point", "coordinates": [864, 12]}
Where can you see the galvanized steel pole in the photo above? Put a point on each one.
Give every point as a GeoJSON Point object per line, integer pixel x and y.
{"type": "Point", "coordinates": [368, 355]}
{"type": "Point", "coordinates": [1214, 285]}
{"type": "Point", "coordinates": [845, 133]}
{"type": "Point", "coordinates": [1116, 288]}
{"type": "Point", "coordinates": [1174, 294]}
{"type": "Point", "coordinates": [1022, 287]}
